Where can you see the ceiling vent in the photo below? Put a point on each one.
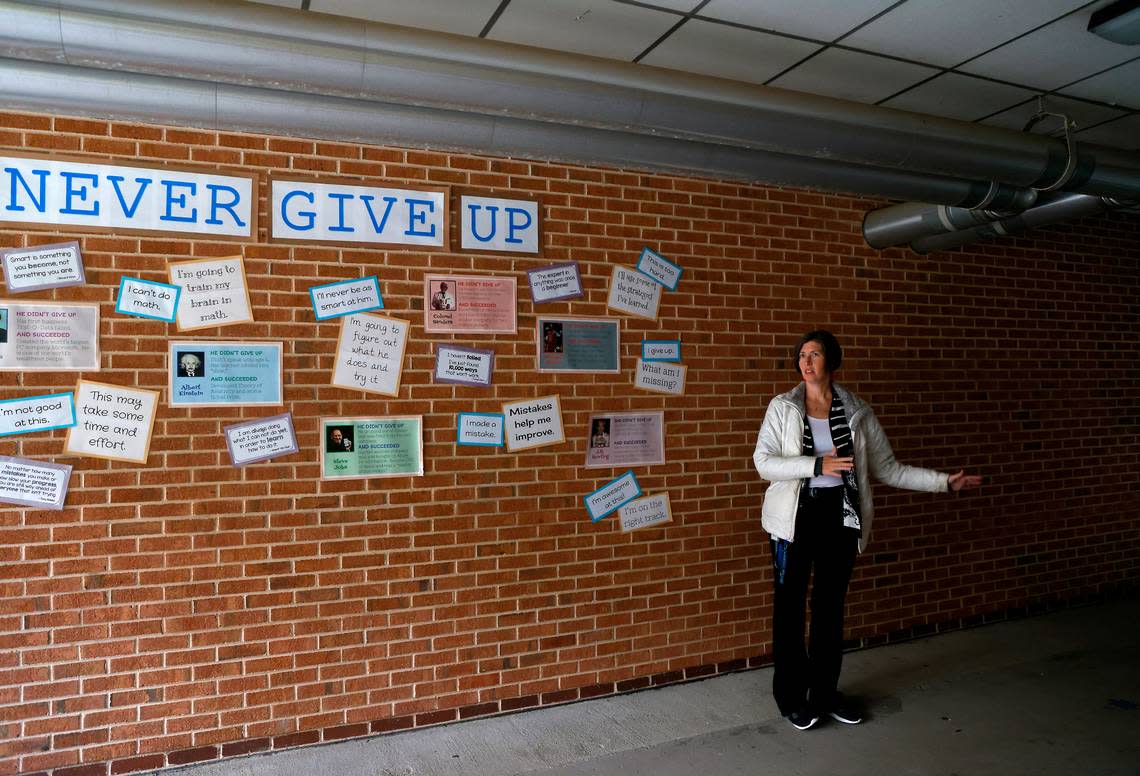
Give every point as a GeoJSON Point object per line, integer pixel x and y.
{"type": "Point", "coordinates": [1118, 22]}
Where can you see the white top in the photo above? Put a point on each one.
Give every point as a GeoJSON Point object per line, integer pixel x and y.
{"type": "Point", "coordinates": [821, 438]}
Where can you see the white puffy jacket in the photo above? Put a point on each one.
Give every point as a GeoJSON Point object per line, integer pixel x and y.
{"type": "Point", "coordinates": [779, 458]}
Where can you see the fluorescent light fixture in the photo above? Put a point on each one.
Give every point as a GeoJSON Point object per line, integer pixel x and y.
{"type": "Point", "coordinates": [1118, 22]}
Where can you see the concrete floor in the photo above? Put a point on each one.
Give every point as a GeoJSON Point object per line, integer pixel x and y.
{"type": "Point", "coordinates": [1055, 694]}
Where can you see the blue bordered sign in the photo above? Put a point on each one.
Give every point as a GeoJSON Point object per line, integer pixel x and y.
{"type": "Point", "coordinates": [661, 350]}
{"type": "Point", "coordinates": [612, 496]}
{"type": "Point", "coordinates": [480, 429]}
{"type": "Point", "coordinates": [346, 297]}
{"type": "Point", "coordinates": [148, 299]}
{"type": "Point", "coordinates": [659, 268]}
{"type": "Point", "coordinates": [37, 413]}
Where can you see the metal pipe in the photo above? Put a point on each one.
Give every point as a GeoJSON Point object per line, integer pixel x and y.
{"type": "Point", "coordinates": [317, 55]}
{"type": "Point", "coordinates": [900, 224]}
{"type": "Point", "coordinates": [1064, 207]}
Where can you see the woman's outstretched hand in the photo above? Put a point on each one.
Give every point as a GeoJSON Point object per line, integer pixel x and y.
{"type": "Point", "coordinates": [963, 481]}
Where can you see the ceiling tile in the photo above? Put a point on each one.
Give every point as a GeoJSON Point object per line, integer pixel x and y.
{"type": "Point", "coordinates": [684, 6]}
{"type": "Point", "coordinates": [819, 19]}
{"type": "Point", "coordinates": [1122, 133]}
{"type": "Point", "coordinates": [956, 96]}
{"type": "Point", "coordinates": [1053, 56]}
{"type": "Point", "coordinates": [851, 75]}
{"type": "Point", "coordinates": [1085, 114]}
{"type": "Point", "coordinates": [466, 18]}
{"type": "Point", "coordinates": [613, 30]}
{"type": "Point", "coordinates": [1119, 86]}
{"type": "Point", "coordinates": [944, 33]}
{"type": "Point", "coordinates": [728, 52]}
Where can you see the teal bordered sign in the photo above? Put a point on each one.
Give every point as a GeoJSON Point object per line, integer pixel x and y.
{"type": "Point", "coordinates": [659, 268]}
{"type": "Point", "coordinates": [147, 299]}
{"type": "Point", "coordinates": [480, 429]}
{"type": "Point", "coordinates": [37, 413]}
{"type": "Point", "coordinates": [661, 350]}
{"type": "Point", "coordinates": [346, 297]}
{"type": "Point", "coordinates": [612, 496]}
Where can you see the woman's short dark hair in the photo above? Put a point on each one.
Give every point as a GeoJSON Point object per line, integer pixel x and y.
{"type": "Point", "coordinates": [832, 352]}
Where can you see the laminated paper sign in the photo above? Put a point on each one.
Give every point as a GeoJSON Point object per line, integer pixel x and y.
{"type": "Point", "coordinates": [656, 266]}
{"type": "Point", "coordinates": [372, 447]}
{"type": "Point", "coordinates": [261, 440]}
{"type": "Point", "coordinates": [218, 374]}
{"type": "Point", "coordinates": [112, 422]}
{"type": "Point", "coordinates": [558, 281]}
{"type": "Point", "coordinates": [37, 413]}
{"type": "Point", "coordinates": [610, 497]}
{"type": "Point", "coordinates": [370, 353]}
{"type": "Point", "coordinates": [634, 293]}
{"type": "Point", "coordinates": [29, 483]}
{"type": "Point", "coordinates": [500, 225]}
{"type": "Point", "coordinates": [46, 336]}
{"type": "Point", "coordinates": [147, 299]}
{"type": "Point", "coordinates": [482, 429]}
{"type": "Point", "coordinates": [626, 439]}
{"type": "Point", "coordinates": [346, 297]}
{"type": "Point", "coordinates": [45, 266]}
{"type": "Point", "coordinates": [533, 423]}
{"type": "Point", "coordinates": [644, 512]}
{"type": "Point", "coordinates": [342, 213]}
{"type": "Point", "coordinates": [577, 344]}
{"type": "Point", "coordinates": [470, 304]}
{"type": "Point", "coordinates": [661, 350]}
{"type": "Point", "coordinates": [660, 377]}
{"type": "Point", "coordinates": [214, 293]}
{"type": "Point", "coordinates": [463, 366]}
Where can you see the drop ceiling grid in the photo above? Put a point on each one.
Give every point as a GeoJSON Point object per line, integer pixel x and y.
{"type": "Point", "coordinates": [975, 60]}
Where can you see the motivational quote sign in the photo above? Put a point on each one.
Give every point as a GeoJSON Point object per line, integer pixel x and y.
{"type": "Point", "coordinates": [341, 213]}
{"type": "Point", "coordinates": [214, 293]}
{"type": "Point", "coordinates": [626, 439]}
{"type": "Point", "coordinates": [224, 373]}
{"type": "Point", "coordinates": [345, 297]}
{"type": "Point", "coordinates": [495, 224]}
{"type": "Point", "coordinates": [45, 266]}
{"type": "Point", "coordinates": [558, 281]}
{"type": "Point", "coordinates": [29, 483]}
{"type": "Point", "coordinates": [645, 512]}
{"type": "Point", "coordinates": [37, 413]}
{"type": "Point", "coordinates": [370, 353]}
{"type": "Point", "coordinates": [533, 423]}
{"type": "Point", "coordinates": [112, 422]}
{"type": "Point", "coordinates": [612, 496]}
{"type": "Point", "coordinates": [42, 336]}
{"type": "Point", "coordinates": [481, 429]}
{"type": "Point", "coordinates": [473, 304]}
{"type": "Point", "coordinates": [261, 440]}
{"type": "Point", "coordinates": [463, 366]}
{"type": "Point", "coordinates": [147, 299]}
{"type": "Point", "coordinates": [372, 447]}
{"type": "Point", "coordinates": [656, 266]}
{"type": "Point", "coordinates": [634, 293]}
{"type": "Point", "coordinates": [661, 350]}
{"type": "Point", "coordinates": [660, 377]}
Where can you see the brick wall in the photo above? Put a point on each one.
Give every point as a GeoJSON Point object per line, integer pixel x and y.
{"type": "Point", "coordinates": [187, 610]}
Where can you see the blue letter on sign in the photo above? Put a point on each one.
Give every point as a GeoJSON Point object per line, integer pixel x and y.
{"type": "Point", "coordinates": [307, 213]}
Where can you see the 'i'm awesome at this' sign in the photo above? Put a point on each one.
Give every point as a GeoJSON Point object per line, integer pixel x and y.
{"type": "Point", "coordinates": [60, 192]}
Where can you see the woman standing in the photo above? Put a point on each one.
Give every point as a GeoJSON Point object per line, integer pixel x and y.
{"type": "Point", "coordinates": [819, 446]}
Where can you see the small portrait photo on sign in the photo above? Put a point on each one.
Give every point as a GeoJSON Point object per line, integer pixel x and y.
{"type": "Point", "coordinates": [552, 337]}
{"type": "Point", "coordinates": [339, 439]}
{"type": "Point", "coordinates": [191, 363]}
{"type": "Point", "coordinates": [600, 438]}
{"type": "Point", "coordinates": [3, 324]}
{"type": "Point", "coordinates": [443, 294]}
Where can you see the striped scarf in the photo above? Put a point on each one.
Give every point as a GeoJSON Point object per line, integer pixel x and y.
{"type": "Point", "coordinates": [841, 437]}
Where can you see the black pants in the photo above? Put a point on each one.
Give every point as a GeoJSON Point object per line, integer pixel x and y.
{"type": "Point", "coordinates": [808, 676]}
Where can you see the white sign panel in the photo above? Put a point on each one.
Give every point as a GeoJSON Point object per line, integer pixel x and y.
{"type": "Point", "coordinates": [533, 423]}
{"type": "Point", "coordinates": [558, 281]}
{"type": "Point", "coordinates": [37, 413]}
{"type": "Point", "coordinates": [634, 293]}
{"type": "Point", "coordinates": [261, 440]}
{"type": "Point", "coordinates": [491, 224]}
{"type": "Point", "coordinates": [370, 354]}
{"type": "Point", "coordinates": [339, 213]}
{"type": "Point", "coordinates": [31, 483]}
{"type": "Point", "coordinates": [58, 192]}
{"type": "Point", "coordinates": [46, 336]}
{"type": "Point", "coordinates": [644, 512]}
{"type": "Point", "coordinates": [112, 422]}
{"type": "Point", "coordinates": [660, 377]}
{"type": "Point", "coordinates": [659, 268]}
{"type": "Point", "coordinates": [214, 293]}
{"type": "Point", "coordinates": [45, 266]}
{"type": "Point", "coordinates": [612, 496]}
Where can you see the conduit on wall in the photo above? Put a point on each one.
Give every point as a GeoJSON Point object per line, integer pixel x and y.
{"type": "Point", "coordinates": [241, 66]}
